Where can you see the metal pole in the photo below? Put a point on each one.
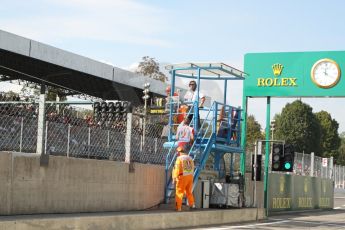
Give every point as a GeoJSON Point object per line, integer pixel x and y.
{"type": "Point", "coordinates": [128, 137]}
{"type": "Point", "coordinates": [196, 109]}
{"type": "Point", "coordinates": [44, 158]}
{"type": "Point", "coordinates": [303, 174]}
{"type": "Point", "coordinates": [225, 89]}
{"type": "Point", "coordinates": [21, 135]}
{"type": "Point", "coordinates": [343, 182]}
{"type": "Point", "coordinates": [255, 168]}
{"type": "Point", "coordinates": [267, 154]}
{"type": "Point", "coordinates": [68, 138]}
{"type": "Point", "coordinates": [108, 139]}
{"type": "Point", "coordinates": [88, 143]}
{"type": "Point", "coordinates": [141, 137]}
{"type": "Point", "coordinates": [46, 138]}
{"type": "Point", "coordinates": [243, 135]}
{"type": "Point", "coordinates": [41, 116]}
{"type": "Point", "coordinates": [312, 158]}
{"type": "Point", "coordinates": [144, 125]}
{"type": "Point", "coordinates": [330, 175]}
{"type": "Point", "coordinates": [171, 105]}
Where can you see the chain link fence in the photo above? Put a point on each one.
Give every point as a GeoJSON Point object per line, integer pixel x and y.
{"type": "Point", "coordinates": [70, 130]}
{"type": "Point", "coordinates": [339, 176]}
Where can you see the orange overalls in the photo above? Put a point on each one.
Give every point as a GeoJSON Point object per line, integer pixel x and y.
{"type": "Point", "coordinates": [183, 175]}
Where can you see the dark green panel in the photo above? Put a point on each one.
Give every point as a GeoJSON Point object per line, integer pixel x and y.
{"type": "Point", "coordinates": [292, 192]}
{"type": "Point", "coordinates": [280, 192]}
{"type": "Point", "coordinates": [296, 66]}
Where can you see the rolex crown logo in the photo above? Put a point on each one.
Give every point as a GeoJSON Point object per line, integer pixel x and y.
{"type": "Point", "coordinates": [277, 69]}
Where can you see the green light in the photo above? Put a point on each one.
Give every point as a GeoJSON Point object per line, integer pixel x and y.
{"type": "Point", "coordinates": [287, 165]}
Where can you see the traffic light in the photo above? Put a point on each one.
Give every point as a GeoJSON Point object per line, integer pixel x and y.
{"type": "Point", "coordinates": [111, 111]}
{"type": "Point", "coordinates": [117, 111]}
{"type": "Point", "coordinates": [289, 153]}
{"type": "Point", "coordinates": [104, 111]}
{"type": "Point", "coordinates": [96, 110]}
{"type": "Point", "coordinates": [124, 110]}
{"type": "Point", "coordinates": [277, 157]}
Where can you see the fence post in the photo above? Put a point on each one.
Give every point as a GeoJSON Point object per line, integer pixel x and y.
{"type": "Point", "coordinates": [330, 165]}
{"type": "Point", "coordinates": [46, 138]}
{"type": "Point", "coordinates": [21, 135]}
{"type": "Point", "coordinates": [142, 135]}
{"type": "Point", "coordinates": [302, 173]}
{"type": "Point", "coordinates": [342, 182]}
{"type": "Point", "coordinates": [312, 158]}
{"type": "Point", "coordinates": [108, 139]}
{"type": "Point", "coordinates": [68, 137]}
{"type": "Point", "coordinates": [44, 158]}
{"type": "Point", "coordinates": [128, 136]}
{"type": "Point", "coordinates": [88, 143]}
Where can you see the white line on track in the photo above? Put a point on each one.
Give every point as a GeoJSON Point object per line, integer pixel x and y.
{"type": "Point", "coordinates": [248, 225]}
{"type": "Point", "coordinates": [323, 223]}
{"type": "Point", "coordinates": [337, 208]}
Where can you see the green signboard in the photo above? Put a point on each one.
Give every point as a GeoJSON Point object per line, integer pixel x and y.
{"type": "Point", "coordinates": [293, 192]}
{"type": "Point", "coordinates": [297, 74]}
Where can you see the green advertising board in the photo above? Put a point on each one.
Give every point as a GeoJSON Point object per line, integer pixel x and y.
{"type": "Point", "coordinates": [294, 192]}
{"type": "Point", "coordinates": [296, 74]}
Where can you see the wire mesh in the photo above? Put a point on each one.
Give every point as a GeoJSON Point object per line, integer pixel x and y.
{"type": "Point", "coordinates": [18, 126]}
{"type": "Point", "coordinates": [148, 147]}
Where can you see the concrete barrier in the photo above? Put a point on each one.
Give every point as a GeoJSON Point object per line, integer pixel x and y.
{"type": "Point", "coordinates": [132, 220]}
{"type": "Point", "coordinates": [74, 185]}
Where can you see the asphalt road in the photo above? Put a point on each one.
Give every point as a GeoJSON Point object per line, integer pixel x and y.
{"type": "Point", "coordinates": [333, 219]}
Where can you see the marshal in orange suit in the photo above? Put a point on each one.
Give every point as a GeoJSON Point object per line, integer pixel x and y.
{"type": "Point", "coordinates": [183, 178]}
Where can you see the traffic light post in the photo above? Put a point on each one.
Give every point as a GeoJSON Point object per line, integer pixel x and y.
{"type": "Point", "coordinates": [258, 146]}
{"type": "Point", "coordinates": [282, 161]}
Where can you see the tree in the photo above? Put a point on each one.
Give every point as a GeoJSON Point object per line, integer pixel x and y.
{"type": "Point", "coordinates": [329, 139]}
{"type": "Point", "coordinates": [340, 157]}
{"type": "Point", "coordinates": [32, 91]}
{"type": "Point", "coordinates": [253, 132]}
{"type": "Point", "coordinates": [150, 68]}
{"type": "Point", "coordinates": [298, 125]}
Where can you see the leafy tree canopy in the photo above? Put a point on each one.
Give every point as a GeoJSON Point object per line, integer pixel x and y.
{"type": "Point", "coordinates": [298, 125]}
{"type": "Point", "coordinates": [253, 132]}
{"type": "Point", "coordinates": [329, 140]}
{"type": "Point", "coordinates": [150, 68]}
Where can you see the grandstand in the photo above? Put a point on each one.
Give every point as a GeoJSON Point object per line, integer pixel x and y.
{"type": "Point", "coordinates": [66, 133]}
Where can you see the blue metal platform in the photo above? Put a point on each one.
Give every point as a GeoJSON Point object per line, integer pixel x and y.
{"type": "Point", "coordinates": [220, 129]}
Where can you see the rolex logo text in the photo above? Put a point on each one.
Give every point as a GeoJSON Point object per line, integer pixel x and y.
{"type": "Point", "coordinates": [277, 81]}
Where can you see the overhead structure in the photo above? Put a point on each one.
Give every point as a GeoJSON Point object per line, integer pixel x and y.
{"type": "Point", "coordinates": [219, 131]}
{"type": "Point", "coordinates": [26, 59]}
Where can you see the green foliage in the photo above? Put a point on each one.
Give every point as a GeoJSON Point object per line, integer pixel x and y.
{"type": "Point", "coordinates": [32, 90]}
{"type": "Point", "coordinates": [298, 125]}
{"type": "Point", "coordinates": [339, 158]}
{"type": "Point", "coordinates": [150, 68]}
{"type": "Point", "coordinates": [253, 132]}
{"type": "Point", "coordinates": [329, 140]}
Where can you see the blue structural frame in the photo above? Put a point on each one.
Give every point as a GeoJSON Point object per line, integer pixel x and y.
{"type": "Point", "coordinates": [225, 120]}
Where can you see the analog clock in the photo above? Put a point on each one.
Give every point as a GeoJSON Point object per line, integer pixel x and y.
{"type": "Point", "coordinates": [325, 73]}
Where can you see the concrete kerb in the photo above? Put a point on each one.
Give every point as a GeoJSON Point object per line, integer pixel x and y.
{"type": "Point", "coordinates": [130, 220]}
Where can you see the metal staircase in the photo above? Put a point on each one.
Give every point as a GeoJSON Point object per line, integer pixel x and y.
{"type": "Point", "coordinates": [215, 135]}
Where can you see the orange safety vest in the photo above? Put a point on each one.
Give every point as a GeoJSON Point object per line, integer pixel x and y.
{"type": "Point", "coordinates": [184, 166]}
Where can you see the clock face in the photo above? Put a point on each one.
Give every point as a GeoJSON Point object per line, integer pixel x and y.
{"type": "Point", "coordinates": [325, 73]}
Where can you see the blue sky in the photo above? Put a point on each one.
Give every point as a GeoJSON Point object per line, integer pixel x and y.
{"type": "Point", "coordinates": [121, 32]}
